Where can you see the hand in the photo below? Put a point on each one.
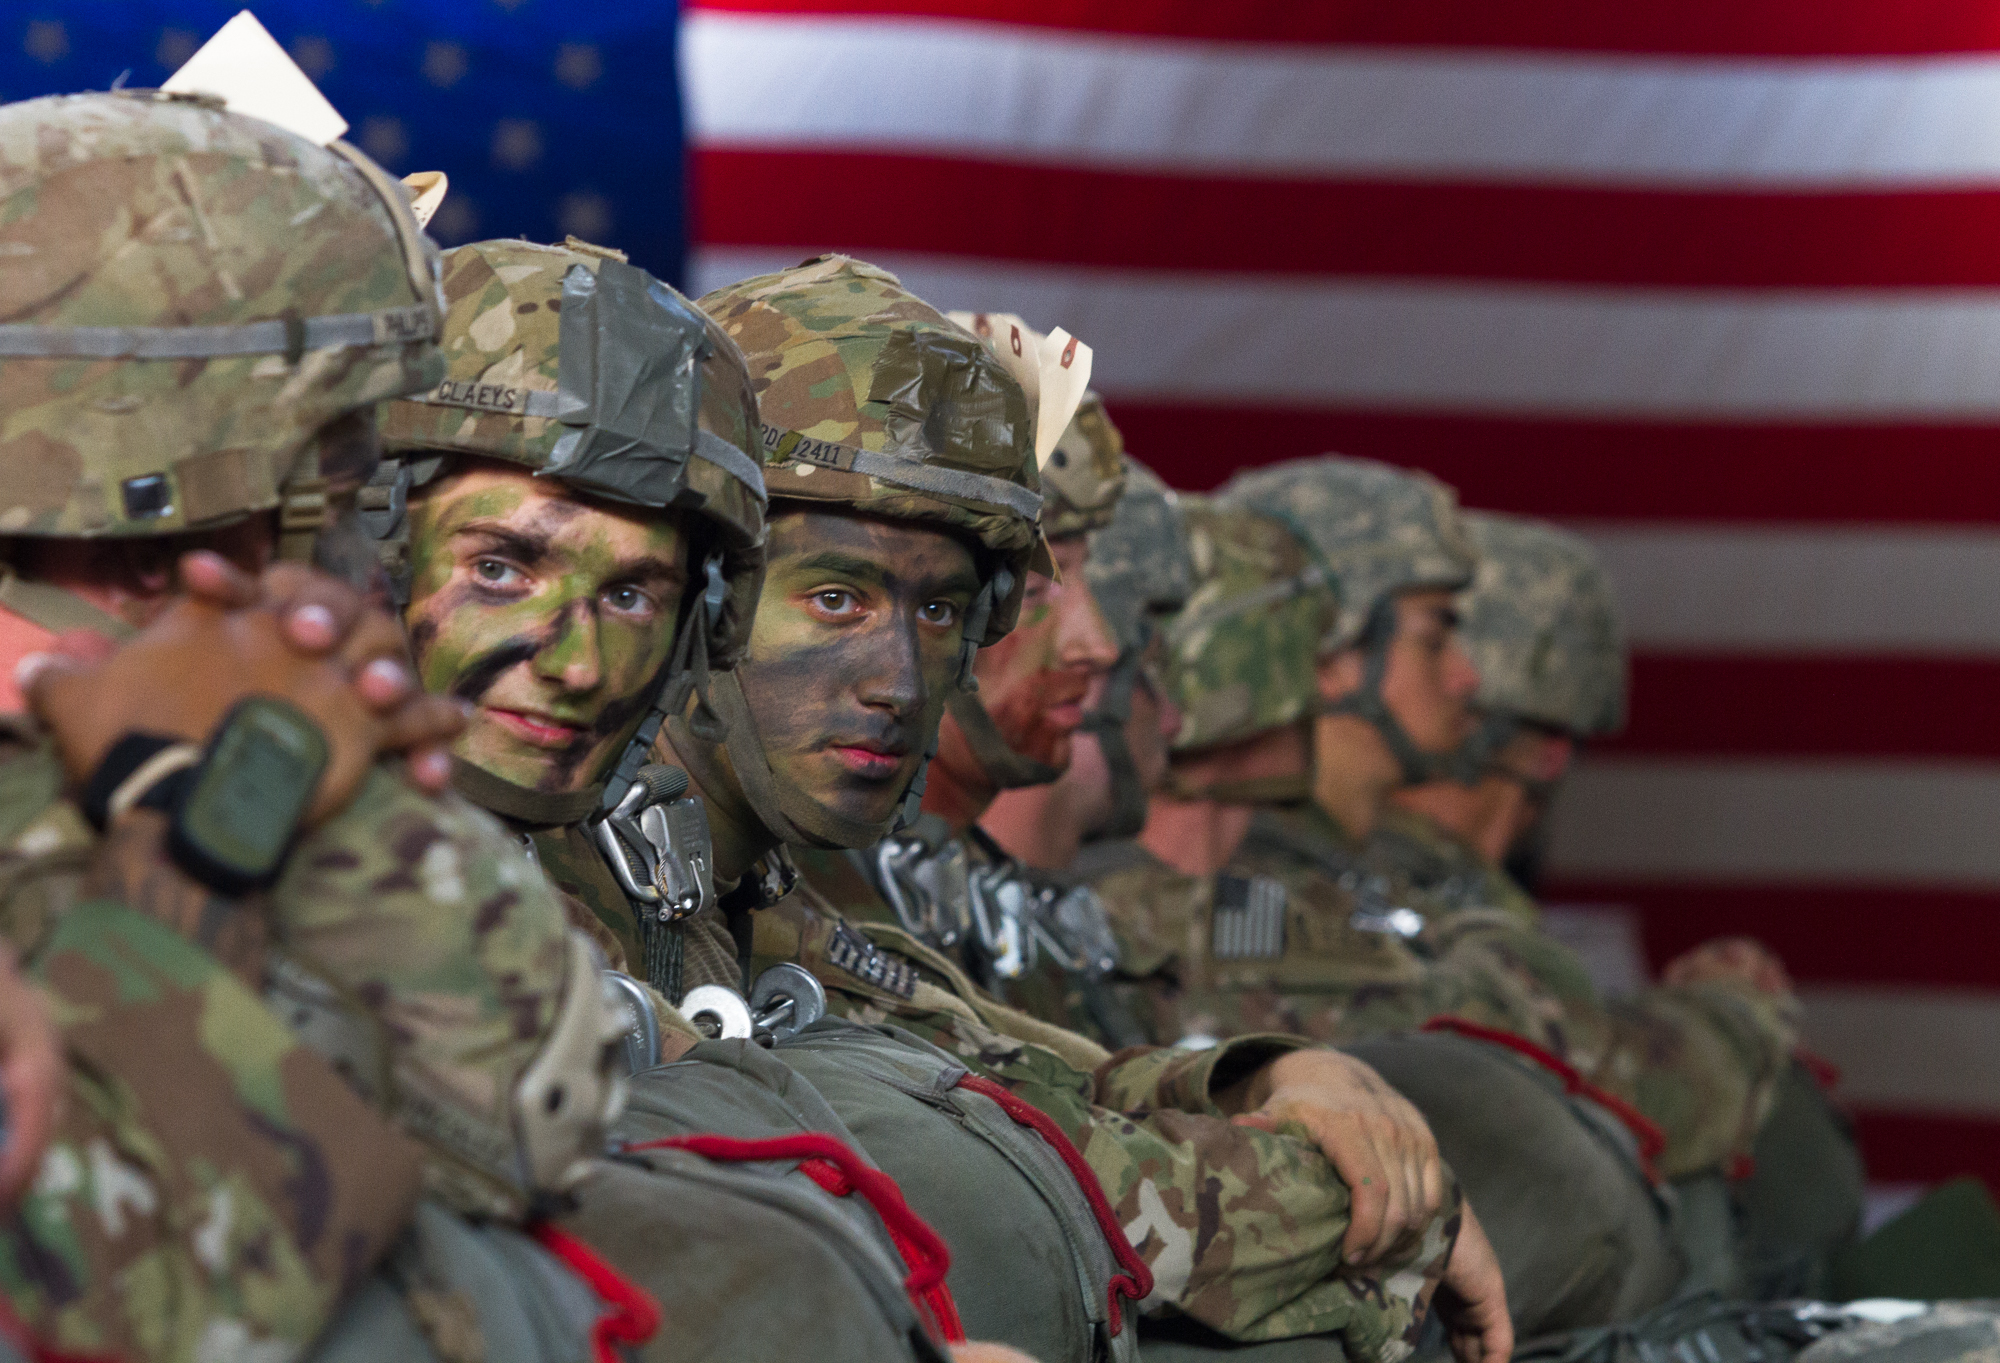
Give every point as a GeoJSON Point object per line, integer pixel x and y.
{"type": "Point", "coordinates": [1472, 1299]}
{"type": "Point", "coordinates": [181, 675]}
{"type": "Point", "coordinates": [1374, 1137]}
{"type": "Point", "coordinates": [321, 615]}
{"type": "Point", "coordinates": [31, 1072]}
{"type": "Point", "coordinates": [1736, 959]}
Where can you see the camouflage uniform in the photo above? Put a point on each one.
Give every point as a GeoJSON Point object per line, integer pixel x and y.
{"type": "Point", "coordinates": [1241, 1229]}
{"type": "Point", "coordinates": [217, 1187]}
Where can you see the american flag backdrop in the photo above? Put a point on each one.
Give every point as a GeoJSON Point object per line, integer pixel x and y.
{"type": "Point", "coordinates": [1714, 282]}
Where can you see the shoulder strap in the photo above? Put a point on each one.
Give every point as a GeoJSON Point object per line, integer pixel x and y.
{"type": "Point", "coordinates": [56, 609]}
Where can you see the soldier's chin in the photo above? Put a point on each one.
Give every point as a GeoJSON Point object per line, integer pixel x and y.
{"type": "Point", "coordinates": [860, 798]}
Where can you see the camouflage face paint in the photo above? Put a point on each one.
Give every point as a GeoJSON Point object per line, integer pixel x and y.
{"type": "Point", "coordinates": [552, 614]}
{"type": "Point", "coordinates": [854, 652]}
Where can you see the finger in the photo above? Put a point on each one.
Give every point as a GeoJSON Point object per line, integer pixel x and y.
{"type": "Point", "coordinates": [429, 768]}
{"type": "Point", "coordinates": [1429, 1193]}
{"type": "Point", "coordinates": [374, 636]}
{"type": "Point", "coordinates": [319, 612]}
{"type": "Point", "coordinates": [210, 577]}
{"type": "Point", "coordinates": [36, 672]}
{"type": "Point", "coordinates": [1396, 1214]}
{"type": "Point", "coordinates": [85, 646]}
{"type": "Point", "coordinates": [1433, 1184]}
{"type": "Point", "coordinates": [384, 683]}
{"type": "Point", "coordinates": [1360, 1166]}
{"type": "Point", "coordinates": [1410, 1164]}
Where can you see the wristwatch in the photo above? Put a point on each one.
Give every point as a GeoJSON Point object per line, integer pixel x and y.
{"type": "Point", "coordinates": [234, 805]}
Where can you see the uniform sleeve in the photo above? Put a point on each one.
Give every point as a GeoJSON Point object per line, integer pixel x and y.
{"type": "Point", "coordinates": [213, 1188]}
{"type": "Point", "coordinates": [443, 947]}
{"type": "Point", "coordinates": [1242, 1228]}
{"type": "Point", "coordinates": [1703, 1062]}
{"type": "Point", "coordinates": [1700, 1062]}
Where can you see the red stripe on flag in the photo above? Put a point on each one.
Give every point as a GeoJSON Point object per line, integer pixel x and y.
{"type": "Point", "coordinates": [1776, 28]}
{"type": "Point", "coordinates": [1073, 216]}
{"type": "Point", "coordinates": [1908, 1147]}
{"type": "Point", "coordinates": [1650, 470]}
{"type": "Point", "coordinates": [1841, 933]}
{"type": "Point", "coordinates": [1734, 706]}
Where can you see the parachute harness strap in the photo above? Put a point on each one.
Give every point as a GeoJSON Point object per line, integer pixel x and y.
{"type": "Point", "coordinates": [1107, 723]}
{"type": "Point", "coordinates": [994, 590]}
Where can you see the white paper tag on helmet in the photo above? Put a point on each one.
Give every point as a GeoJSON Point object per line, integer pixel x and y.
{"type": "Point", "coordinates": [244, 67]}
{"type": "Point", "coordinates": [1065, 366]}
{"type": "Point", "coordinates": [427, 190]}
{"type": "Point", "coordinates": [1053, 370]}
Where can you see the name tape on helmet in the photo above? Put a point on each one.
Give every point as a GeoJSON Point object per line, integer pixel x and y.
{"type": "Point", "coordinates": [783, 446]}
{"type": "Point", "coordinates": [503, 399]}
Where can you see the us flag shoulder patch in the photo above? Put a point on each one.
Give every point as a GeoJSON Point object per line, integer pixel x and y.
{"type": "Point", "coordinates": [1249, 919]}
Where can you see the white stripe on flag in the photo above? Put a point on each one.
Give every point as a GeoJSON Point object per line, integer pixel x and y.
{"type": "Point", "coordinates": [1494, 348]}
{"type": "Point", "coordinates": [1655, 819]}
{"type": "Point", "coordinates": [1931, 1051]}
{"type": "Point", "coordinates": [1861, 590]}
{"type": "Point", "coordinates": [1051, 95]}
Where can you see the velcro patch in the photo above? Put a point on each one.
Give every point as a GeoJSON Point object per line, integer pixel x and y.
{"type": "Point", "coordinates": [1249, 919]}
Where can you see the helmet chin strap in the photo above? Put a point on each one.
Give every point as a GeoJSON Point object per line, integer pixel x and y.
{"type": "Point", "coordinates": [1366, 702]}
{"type": "Point", "coordinates": [1479, 756]}
{"type": "Point", "coordinates": [1107, 723]}
{"type": "Point", "coordinates": [1006, 768]}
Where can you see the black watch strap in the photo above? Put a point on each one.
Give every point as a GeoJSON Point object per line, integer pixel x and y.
{"type": "Point", "coordinates": [127, 755]}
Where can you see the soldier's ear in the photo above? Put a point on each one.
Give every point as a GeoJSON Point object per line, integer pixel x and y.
{"type": "Point", "coordinates": [1340, 674]}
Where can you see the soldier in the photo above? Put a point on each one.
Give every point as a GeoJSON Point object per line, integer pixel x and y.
{"type": "Point", "coordinates": [1541, 625]}
{"type": "Point", "coordinates": [298, 293]}
{"type": "Point", "coordinates": [568, 634]}
{"type": "Point", "coordinates": [1139, 572]}
{"type": "Point", "coordinates": [903, 531]}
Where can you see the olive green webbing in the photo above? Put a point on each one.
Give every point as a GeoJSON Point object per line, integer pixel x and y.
{"type": "Point", "coordinates": [56, 609]}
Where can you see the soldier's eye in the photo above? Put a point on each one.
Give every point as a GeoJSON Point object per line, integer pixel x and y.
{"type": "Point", "coordinates": [939, 613]}
{"type": "Point", "coordinates": [496, 572]}
{"type": "Point", "coordinates": [627, 599]}
{"type": "Point", "coordinates": [835, 602]}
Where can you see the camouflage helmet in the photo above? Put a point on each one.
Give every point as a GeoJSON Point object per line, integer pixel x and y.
{"type": "Point", "coordinates": [191, 295]}
{"type": "Point", "coordinates": [574, 365]}
{"type": "Point", "coordinates": [874, 400]}
{"type": "Point", "coordinates": [1242, 654]}
{"type": "Point", "coordinates": [1139, 567]}
{"type": "Point", "coordinates": [1378, 530]}
{"type": "Point", "coordinates": [1542, 627]}
{"type": "Point", "coordinates": [1083, 474]}
{"type": "Point", "coordinates": [1140, 572]}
